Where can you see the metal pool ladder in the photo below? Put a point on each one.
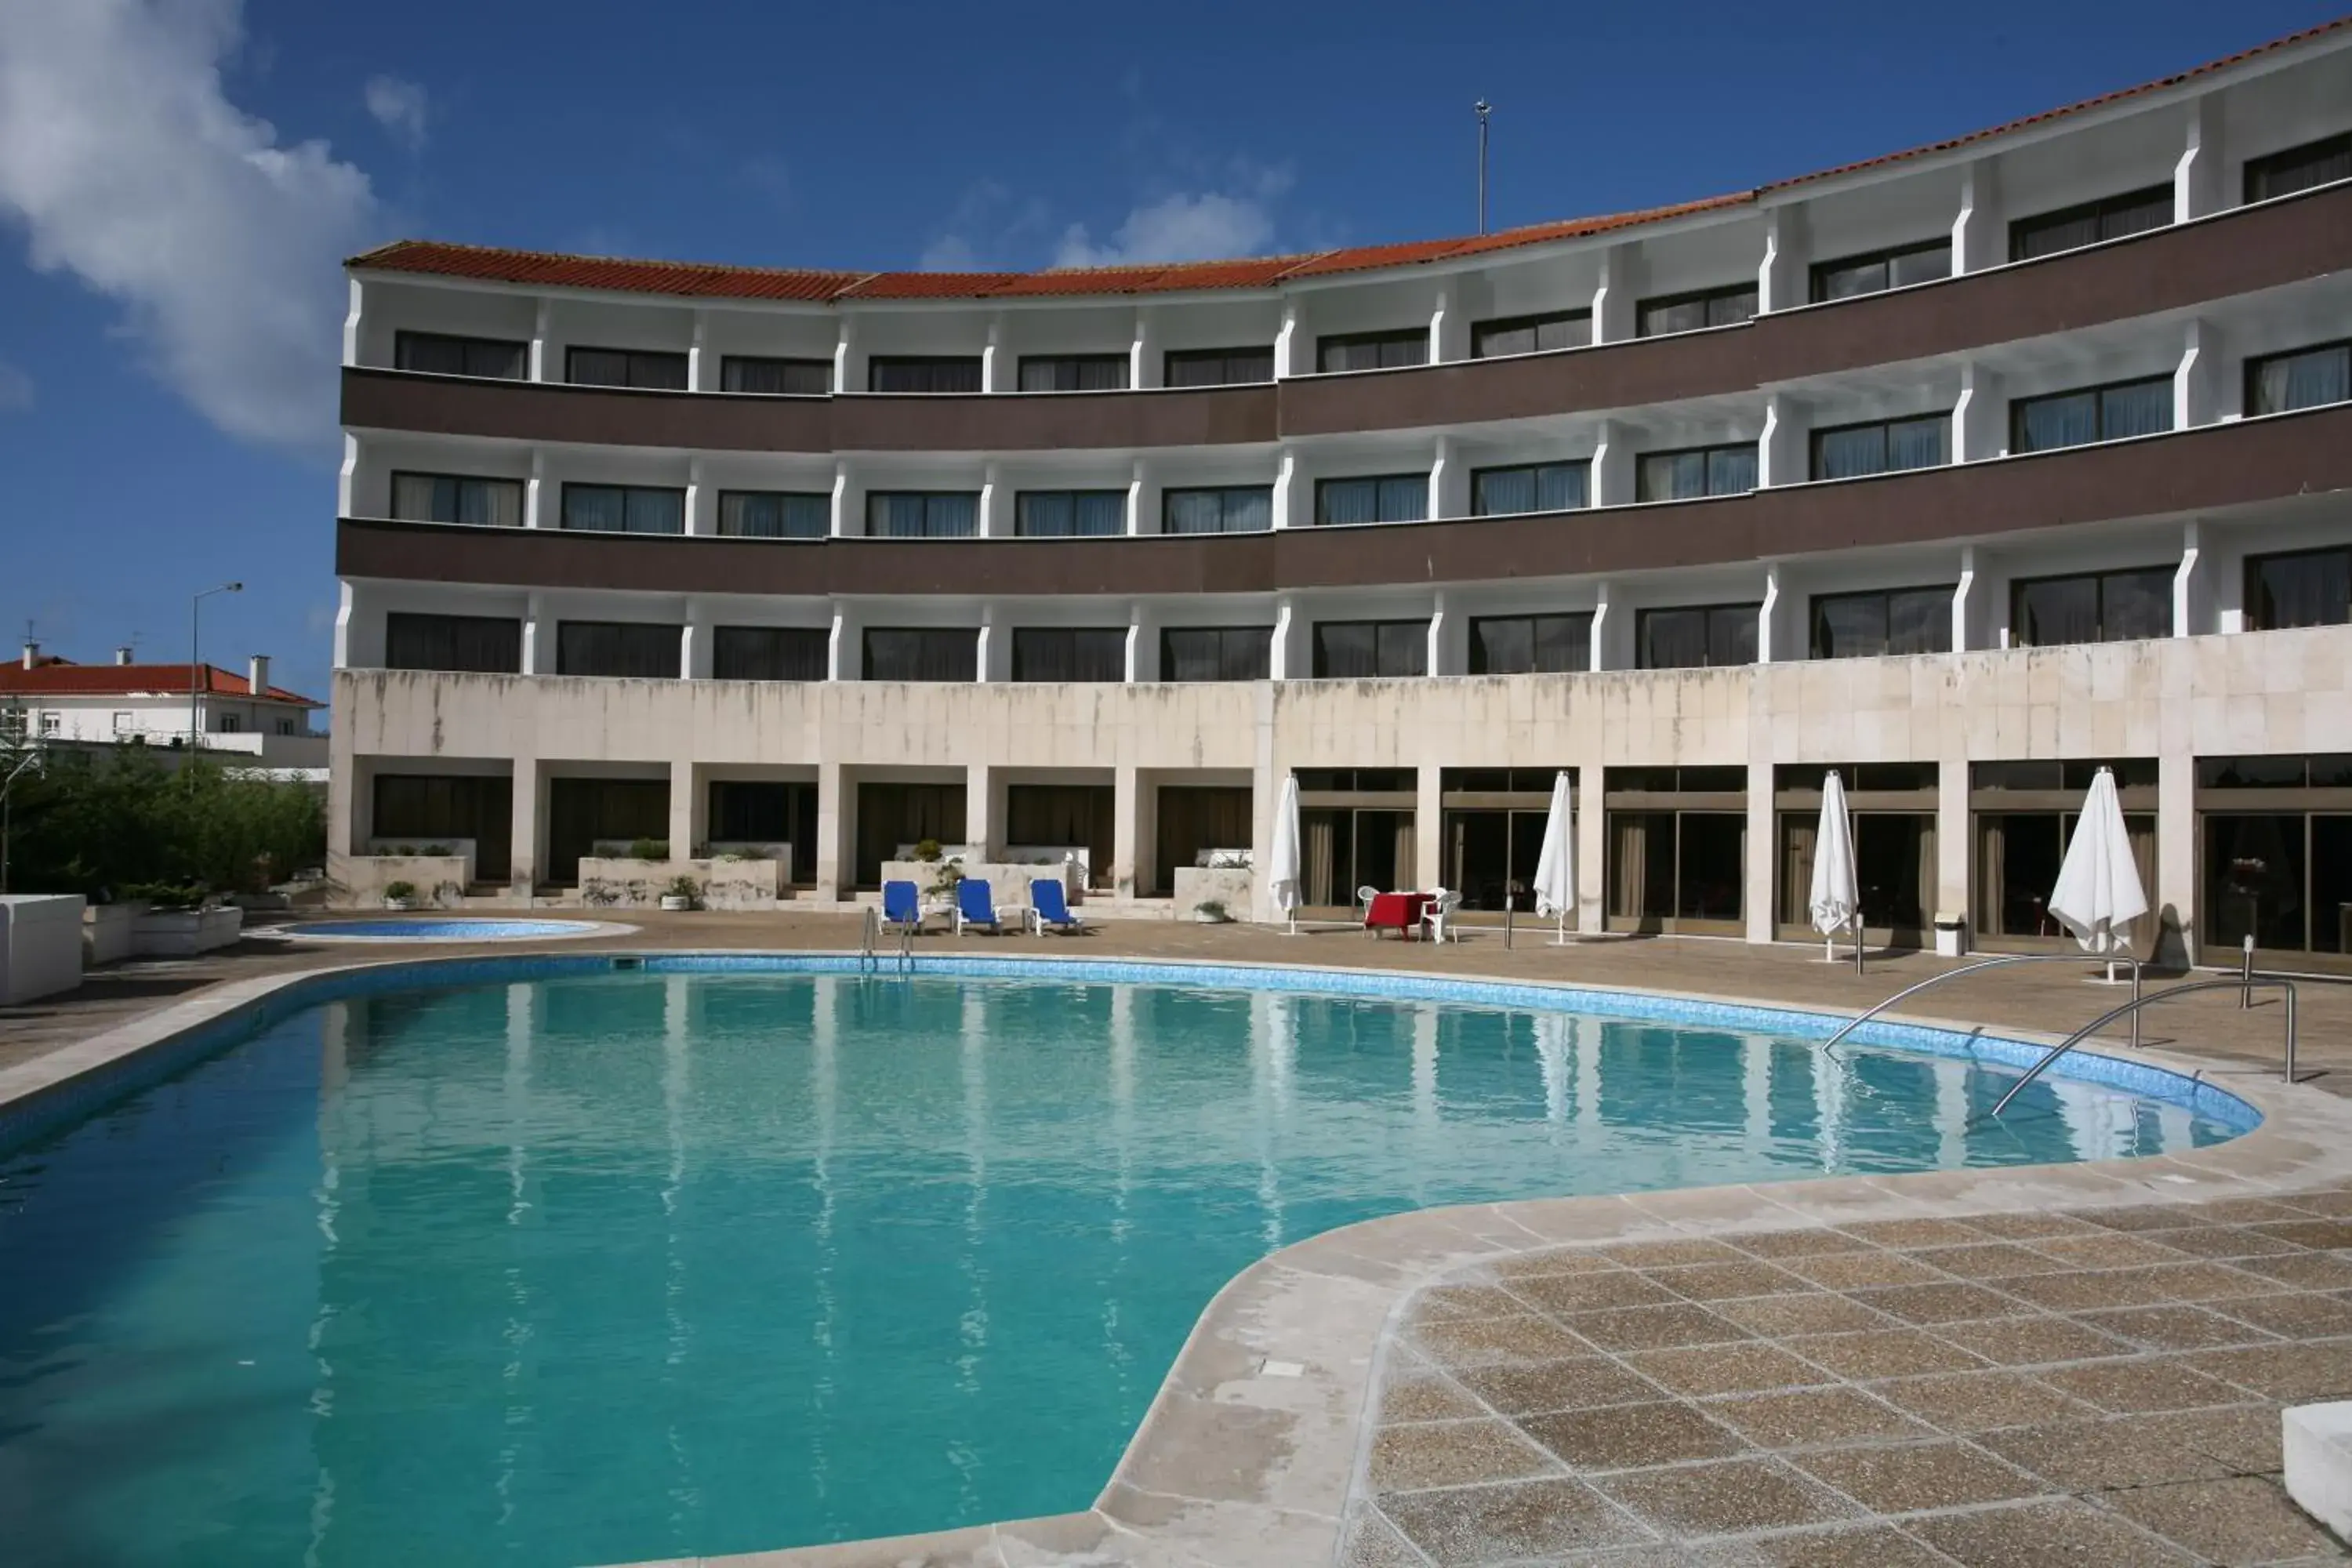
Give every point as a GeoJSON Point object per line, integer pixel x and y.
{"type": "Point", "coordinates": [2137, 1003]}
{"type": "Point", "coordinates": [1859, 1019]}
{"type": "Point", "coordinates": [869, 943]}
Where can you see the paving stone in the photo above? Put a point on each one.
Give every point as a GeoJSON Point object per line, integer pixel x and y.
{"type": "Point", "coordinates": [2109, 1250]}
{"type": "Point", "coordinates": [2243, 1438]}
{"type": "Point", "coordinates": [1913, 1232]}
{"type": "Point", "coordinates": [2087, 1291]}
{"type": "Point", "coordinates": [1817, 1313]}
{"type": "Point", "coordinates": [1989, 1260]}
{"type": "Point", "coordinates": [2175, 1328]}
{"type": "Point", "coordinates": [2241, 1519]}
{"type": "Point", "coordinates": [2043, 1535]}
{"type": "Point", "coordinates": [1558, 1261]}
{"type": "Point", "coordinates": [1467, 1526]}
{"type": "Point", "coordinates": [1885, 1353]}
{"type": "Point", "coordinates": [2222, 1241]}
{"type": "Point", "coordinates": [2032, 1342]}
{"type": "Point", "coordinates": [2143, 1216]}
{"type": "Point", "coordinates": [1426, 1396]}
{"type": "Point", "coordinates": [1706, 1369]}
{"type": "Point", "coordinates": [1654, 1328]}
{"type": "Point", "coordinates": [1440, 1302]}
{"type": "Point", "coordinates": [2221, 1212]}
{"type": "Point", "coordinates": [1667, 1254]}
{"type": "Point", "coordinates": [1373, 1542]}
{"type": "Point", "coordinates": [2335, 1204]}
{"type": "Point", "coordinates": [2296, 1372]}
{"type": "Point", "coordinates": [1590, 1292]}
{"type": "Point", "coordinates": [1809, 1242]}
{"type": "Point", "coordinates": [2132, 1386]}
{"type": "Point", "coordinates": [1727, 1496]}
{"type": "Point", "coordinates": [2319, 1235]}
{"type": "Point", "coordinates": [2031, 1226]}
{"type": "Point", "coordinates": [1978, 1401]}
{"type": "Point", "coordinates": [1856, 1546]}
{"type": "Point", "coordinates": [1928, 1304]}
{"type": "Point", "coordinates": [1482, 1341]}
{"type": "Point", "coordinates": [1725, 1281]}
{"type": "Point", "coordinates": [1916, 1477]}
{"type": "Point", "coordinates": [1633, 1436]}
{"type": "Point", "coordinates": [2304, 1270]}
{"type": "Point", "coordinates": [1861, 1270]}
{"type": "Point", "coordinates": [1450, 1453]}
{"type": "Point", "coordinates": [1810, 1417]}
{"type": "Point", "coordinates": [2085, 1456]}
{"type": "Point", "coordinates": [2197, 1281]}
{"type": "Point", "coordinates": [1574, 1384]}
{"type": "Point", "coordinates": [2303, 1315]}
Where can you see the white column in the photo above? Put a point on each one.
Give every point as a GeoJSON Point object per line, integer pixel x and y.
{"type": "Point", "coordinates": [700, 508]}
{"type": "Point", "coordinates": [1612, 301]}
{"type": "Point", "coordinates": [1144, 366]}
{"type": "Point", "coordinates": [346, 475]}
{"type": "Point", "coordinates": [995, 520]}
{"type": "Point", "coordinates": [1977, 417]}
{"type": "Point", "coordinates": [695, 360]}
{"type": "Point", "coordinates": [1142, 643]}
{"type": "Point", "coordinates": [845, 360]}
{"type": "Point", "coordinates": [1449, 481]}
{"type": "Point", "coordinates": [1143, 496]}
{"type": "Point", "coordinates": [1769, 642]}
{"type": "Point", "coordinates": [695, 664]}
{"type": "Point", "coordinates": [540, 368]}
{"type": "Point", "coordinates": [1952, 848]}
{"type": "Point", "coordinates": [355, 323]}
{"type": "Point", "coordinates": [1780, 453]}
{"type": "Point", "coordinates": [1591, 854]}
{"type": "Point", "coordinates": [2193, 587]}
{"type": "Point", "coordinates": [1288, 343]}
{"type": "Point", "coordinates": [686, 812]}
{"type": "Point", "coordinates": [1780, 280]}
{"type": "Point", "coordinates": [1978, 237]}
{"type": "Point", "coordinates": [537, 650]}
{"type": "Point", "coordinates": [996, 366]}
{"type": "Point", "coordinates": [1278, 660]}
{"type": "Point", "coordinates": [1285, 475]}
{"type": "Point", "coordinates": [535, 511]}
{"type": "Point", "coordinates": [1434, 661]}
{"type": "Point", "coordinates": [842, 653]}
{"type": "Point", "coordinates": [2175, 892]}
{"type": "Point", "coordinates": [1967, 612]}
{"type": "Point", "coordinates": [1612, 464]}
{"type": "Point", "coordinates": [1428, 821]}
{"type": "Point", "coordinates": [1604, 616]}
{"type": "Point", "coordinates": [1449, 330]}
{"type": "Point", "coordinates": [846, 518]}
{"type": "Point", "coordinates": [2197, 184]}
{"type": "Point", "coordinates": [2196, 379]}
{"type": "Point", "coordinates": [1762, 856]}
{"type": "Point", "coordinates": [344, 610]}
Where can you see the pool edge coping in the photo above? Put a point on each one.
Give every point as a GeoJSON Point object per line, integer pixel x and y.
{"type": "Point", "coordinates": [1230, 1464]}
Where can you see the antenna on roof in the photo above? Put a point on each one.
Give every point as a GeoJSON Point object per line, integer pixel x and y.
{"type": "Point", "coordinates": [1483, 109]}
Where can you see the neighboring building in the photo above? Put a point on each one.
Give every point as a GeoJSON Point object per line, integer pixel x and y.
{"type": "Point", "coordinates": [57, 701]}
{"type": "Point", "coordinates": [1962, 470]}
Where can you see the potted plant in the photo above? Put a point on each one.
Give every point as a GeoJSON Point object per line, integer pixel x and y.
{"type": "Point", "coordinates": [1212, 913]}
{"type": "Point", "coordinates": [926, 849]}
{"type": "Point", "coordinates": [399, 895]}
{"type": "Point", "coordinates": [681, 894]}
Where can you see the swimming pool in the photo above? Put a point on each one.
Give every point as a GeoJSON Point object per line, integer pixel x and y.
{"type": "Point", "coordinates": [590, 1266]}
{"type": "Point", "coordinates": [457, 929]}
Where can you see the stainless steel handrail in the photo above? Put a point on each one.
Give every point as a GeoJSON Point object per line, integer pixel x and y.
{"type": "Point", "coordinates": [869, 930]}
{"type": "Point", "coordinates": [2133, 1008]}
{"type": "Point", "coordinates": [1860, 1018]}
{"type": "Point", "coordinates": [906, 948]}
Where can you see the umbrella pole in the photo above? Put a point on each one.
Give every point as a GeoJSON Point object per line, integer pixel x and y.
{"type": "Point", "coordinates": [1857, 942]}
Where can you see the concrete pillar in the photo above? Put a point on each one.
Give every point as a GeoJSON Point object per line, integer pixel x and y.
{"type": "Point", "coordinates": [1449, 638]}
{"type": "Point", "coordinates": [1591, 850]}
{"type": "Point", "coordinates": [1131, 841]}
{"type": "Point", "coordinates": [530, 794]}
{"type": "Point", "coordinates": [995, 660]}
{"type": "Point", "coordinates": [347, 476]}
{"type": "Point", "coordinates": [2192, 585]}
{"type": "Point", "coordinates": [996, 371]}
{"type": "Point", "coordinates": [2197, 378]}
{"type": "Point", "coordinates": [1449, 330]}
{"type": "Point", "coordinates": [538, 507]}
{"type": "Point", "coordinates": [696, 361]}
{"type": "Point", "coordinates": [1953, 851]}
{"type": "Point", "coordinates": [355, 322]}
{"type": "Point", "coordinates": [1612, 630]}
{"type": "Point", "coordinates": [1979, 421]}
{"type": "Point", "coordinates": [1773, 643]}
{"type": "Point", "coordinates": [983, 794]}
{"type": "Point", "coordinates": [1285, 484]}
{"type": "Point", "coordinates": [1282, 661]}
{"type": "Point", "coordinates": [1969, 620]}
{"type": "Point", "coordinates": [343, 613]}
{"type": "Point", "coordinates": [1782, 282]}
{"type": "Point", "coordinates": [701, 505]}
{"type": "Point", "coordinates": [1142, 645]}
{"type": "Point", "coordinates": [2174, 897]}
{"type": "Point", "coordinates": [995, 519]}
{"type": "Point", "coordinates": [1980, 237]}
{"type": "Point", "coordinates": [1756, 900]}
{"type": "Point", "coordinates": [1145, 368]}
{"type": "Point", "coordinates": [688, 809]}
{"type": "Point", "coordinates": [695, 657]}
{"type": "Point", "coordinates": [1290, 343]}
{"type": "Point", "coordinates": [1780, 456]}
{"type": "Point", "coordinates": [837, 815]}
{"type": "Point", "coordinates": [1142, 500]}
{"type": "Point", "coordinates": [1449, 480]}
{"type": "Point", "coordinates": [1612, 300]}
{"type": "Point", "coordinates": [845, 654]}
{"type": "Point", "coordinates": [1428, 828]}
{"type": "Point", "coordinates": [2197, 189]}
{"type": "Point", "coordinates": [540, 368]}
{"type": "Point", "coordinates": [849, 369]}
{"type": "Point", "coordinates": [538, 638]}
{"type": "Point", "coordinates": [1612, 464]}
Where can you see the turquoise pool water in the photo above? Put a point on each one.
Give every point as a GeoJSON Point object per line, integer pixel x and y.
{"type": "Point", "coordinates": [615, 1267]}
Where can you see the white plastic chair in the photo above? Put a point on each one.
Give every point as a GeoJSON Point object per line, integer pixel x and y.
{"type": "Point", "coordinates": [1436, 918]}
{"type": "Point", "coordinates": [1364, 896]}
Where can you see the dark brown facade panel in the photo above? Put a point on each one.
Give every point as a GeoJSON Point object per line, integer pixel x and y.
{"type": "Point", "coordinates": [1190, 416]}
{"type": "Point", "coordinates": [2208, 468]}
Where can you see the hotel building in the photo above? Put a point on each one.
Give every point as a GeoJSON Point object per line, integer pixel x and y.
{"type": "Point", "coordinates": [1963, 470]}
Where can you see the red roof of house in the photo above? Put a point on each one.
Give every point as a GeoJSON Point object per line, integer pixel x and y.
{"type": "Point", "coordinates": [65, 679]}
{"type": "Point", "coordinates": [695, 279]}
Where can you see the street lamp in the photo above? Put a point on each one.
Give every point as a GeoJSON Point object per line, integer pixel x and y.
{"type": "Point", "coordinates": [195, 660]}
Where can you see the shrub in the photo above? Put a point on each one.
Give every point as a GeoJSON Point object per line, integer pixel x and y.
{"type": "Point", "coordinates": [926, 849]}
{"type": "Point", "coordinates": [685, 888]}
{"type": "Point", "coordinates": [401, 890]}
{"type": "Point", "coordinates": [650, 850]}
{"type": "Point", "coordinates": [165, 895]}
{"type": "Point", "coordinates": [1212, 908]}
{"type": "Point", "coordinates": [88, 824]}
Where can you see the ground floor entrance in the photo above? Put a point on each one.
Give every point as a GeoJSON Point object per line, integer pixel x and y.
{"type": "Point", "coordinates": [764, 811]}
{"type": "Point", "coordinates": [430, 812]}
{"type": "Point", "coordinates": [583, 812]}
{"type": "Point", "coordinates": [1493, 821]}
{"type": "Point", "coordinates": [1677, 844]}
{"type": "Point", "coordinates": [1064, 817]}
{"type": "Point", "coordinates": [1195, 822]}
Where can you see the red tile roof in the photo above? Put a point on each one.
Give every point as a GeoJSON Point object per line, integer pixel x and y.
{"type": "Point", "coordinates": [64, 680]}
{"type": "Point", "coordinates": [692, 279]}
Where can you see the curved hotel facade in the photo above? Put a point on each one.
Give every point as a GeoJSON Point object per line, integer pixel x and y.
{"type": "Point", "coordinates": [1963, 471]}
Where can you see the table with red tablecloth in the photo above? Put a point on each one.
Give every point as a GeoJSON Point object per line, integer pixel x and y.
{"type": "Point", "coordinates": [1402, 912]}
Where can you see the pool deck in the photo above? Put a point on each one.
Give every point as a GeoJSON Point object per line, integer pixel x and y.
{"type": "Point", "coordinates": [2074, 1364]}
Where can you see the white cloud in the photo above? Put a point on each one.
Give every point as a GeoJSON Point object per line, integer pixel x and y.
{"type": "Point", "coordinates": [16, 389]}
{"type": "Point", "coordinates": [399, 106]}
{"type": "Point", "coordinates": [1187, 225]}
{"type": "Point", "coordinates": [132, 171]}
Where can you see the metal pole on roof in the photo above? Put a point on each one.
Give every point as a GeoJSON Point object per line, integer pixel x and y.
{"type": "Point", "coordinates": [1483, 109]}
{"type": "Point", "coordinates": [195, 657]}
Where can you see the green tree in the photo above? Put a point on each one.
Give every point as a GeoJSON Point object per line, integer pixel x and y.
{"type": "Point", "coordinates": [96, 825]}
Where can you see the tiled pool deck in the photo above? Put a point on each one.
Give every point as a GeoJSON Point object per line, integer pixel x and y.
{"type": "Point", "coordinates": [2078, 1364]}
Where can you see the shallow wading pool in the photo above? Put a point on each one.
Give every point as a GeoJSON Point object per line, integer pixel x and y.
{"type": "Point", "coordinates": [565, 1264]}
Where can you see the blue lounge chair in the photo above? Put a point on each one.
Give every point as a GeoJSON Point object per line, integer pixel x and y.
{"type": "Point", "coordinates": [902, 906]}
{"type": "Point", "coordinates": [1051, 907]}
{"type": "Point", "coordinates": [974, 907]}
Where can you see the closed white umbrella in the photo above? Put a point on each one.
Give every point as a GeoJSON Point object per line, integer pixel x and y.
{"type": "Point", "coordinates": [1836, 899]}
{"type": "Point", "coordinates": [1282, 868]}
{"type": "Point", "coordinates": [1556, 862]}
{"type": "Point", "coordinates": [2098, 893]}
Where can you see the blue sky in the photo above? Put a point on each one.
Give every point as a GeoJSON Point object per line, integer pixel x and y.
{"type": "Point", "coordinates": [179, 178]}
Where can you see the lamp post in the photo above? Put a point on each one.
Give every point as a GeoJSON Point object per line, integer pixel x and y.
{"type": "Point", "coordinates": [1483, 109]}
{"type": "Point", "coordinates": [195, 657]}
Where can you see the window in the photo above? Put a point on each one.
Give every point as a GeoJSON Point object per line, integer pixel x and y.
{"type": "Point", "coordinates": [1697, 472]}
{"type": "Point", "coordinates": [1373, 351]}
{"type": "Point", "coordinates": [934, 373]}
{"type": "Point", "coordinates": [457, 497]}
{"type": "Point", "coordinates": [2299, 168]}
{"type": "Point", "coordinates": [922, 653]}
{"type": "Point", "coordinates": [1531, 334]}
{"type": "Point", "coordinates": [1069, 653]}
{"type": "Point", "coordinates": [490, 644]}
{"type": "Point", "coordinates": [1707, 637]}
{"type": "Point", "coordinates": [1880, 270]}
{"type": "Point", "coordinates": [776, 514]}
{"type": "Point", "coordinates": [124, 723]}
{"type": "Point", "coordinates": [2092, 607]}
{"type": "Point", "coordinates": [1386, 497]}
{"type": "Point", "coordinates": [1890, 445]}
{"type": "Point", "coordinates": [638, 649]}
{"type": "Point", "coordinates": [1883, 621]}
{"type": "Point", "coordinates": [2091, 414]}
{"type": "Point", "coordinates": [1059, 514]}
{"type": "Point", "coordinates": [1724, 307]}
{"type": "Point", "coordinates": [768, 653]}
{"type": "Point", "coordinates": [288, 727]}
{"type": "Point", "coordinates": [12, 722]}
{"type": "Point", "coordinates": [649, 368]}
{"type": "Point", "coordinates": [1530, 645]}
{"type": "Point", "coordinates": [922, 514]}
{"type": "Point", "coordinates": [52, 723]}
{"type": "Point", "coordinates": [2070, 228]}
{"type": "Point", "coordinates": [1217, 509]}
{"type": "Point", "coordinates": [776, 377]}
{"type": "Point", "coordinates": [1354, 650]}
{"type": "Point", "coordinates": [1529, 486]}
{"type": "Point", "coordinates": [2301, 588]}
{"type": "Point", "coordinates": [227, 723]}
{"type": "Point", "coordinates": [2301, 378]}
{"type": "Point", "coordinates": [1074, 373]}
{"type": "Point", "coordinates": [1218, 367]}
{"type": "Point", "coordinates": [1216, 653]}
{"type": "Point", "coordinates": [624, 509]}
{"type": "Point", "coordinates": [438, 353]}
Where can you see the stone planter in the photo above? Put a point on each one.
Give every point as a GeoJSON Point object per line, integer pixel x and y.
{"type": "Point", "coordinates": [106, 931]}
{"type": "Point", "coordinates": [397, 906]}
{"type": "Point", "coordinates": [607, 883]}
{"type": "Point", "coordinates": [1231, 886]}
{"type": "Point", "coordinates": [182, 934]}
{"type": "Point", "coordinates": [440, 880]}
{"type": "Point", "coordinates": [40, 945]}
{"type": "Point", "coordinates": [673, 904]}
